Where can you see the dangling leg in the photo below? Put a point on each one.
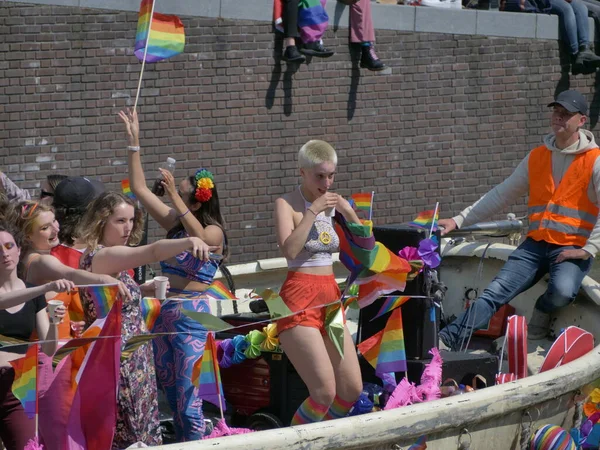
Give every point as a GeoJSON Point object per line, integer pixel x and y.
{"type": "Point", "coordinates": [348, 380]}
{"type": "Point", "coordinates": [306, 349]}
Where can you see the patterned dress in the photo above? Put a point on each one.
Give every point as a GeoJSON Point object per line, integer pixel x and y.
{"type": "Point", "coordinates": [137, 414]}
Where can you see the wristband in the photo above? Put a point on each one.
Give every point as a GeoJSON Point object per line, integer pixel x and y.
{"type": "Point", "coordinates": [179, 216]}
{"type": "Point", "coordinates": [133, 148]}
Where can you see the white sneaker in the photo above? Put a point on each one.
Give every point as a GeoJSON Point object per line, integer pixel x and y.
{"type": "Point", "coordinates": [447, 4]}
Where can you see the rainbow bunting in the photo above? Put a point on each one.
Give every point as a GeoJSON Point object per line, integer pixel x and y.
{"type": "Point", "coordinates": [218, 291]}
{"type": "Point", "coordinates": [425, 219]}
{"type": "Point", "coordinates": [150, 311]}
{"type": "Point", "coordinates": [390, 304]}
{"type": "Point", "coordinates": [103, 297]}
{"type": "Point", "coordinates": [24, 386]}
{"type": "Point", "coordinates": [207, 376]}
{"type": "Point", "coordinates": [369, 348]}
{"type": "Point", "coordinates": [392, 354]}
{"type": "Point", "coordinates": [167, 37]}
{"type": "Point", "coordinates": [127, 189]}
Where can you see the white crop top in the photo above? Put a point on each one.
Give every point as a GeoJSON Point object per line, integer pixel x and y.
{"type": "Point", "coordinates": [321, 242]}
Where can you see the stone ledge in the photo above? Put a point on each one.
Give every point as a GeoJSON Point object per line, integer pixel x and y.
{"type": "Point", "coordinates": [385, 17]}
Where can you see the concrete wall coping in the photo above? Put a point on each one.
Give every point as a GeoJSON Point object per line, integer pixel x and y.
{"type": "Point", "coordinates": [385, 17]}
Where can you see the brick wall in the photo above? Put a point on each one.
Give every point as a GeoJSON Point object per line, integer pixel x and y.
{"type": "Point", "coordinates": [453, 118]}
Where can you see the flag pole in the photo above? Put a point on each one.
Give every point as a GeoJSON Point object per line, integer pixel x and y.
{"type": "Point", "coordinates": [137, 95]}
{"type": "Point", "coordinates": [437, 205]}
{"type": "Point", "coordinates": [371, 208]}
{"type": "Point", "coordinates": [36, 392]}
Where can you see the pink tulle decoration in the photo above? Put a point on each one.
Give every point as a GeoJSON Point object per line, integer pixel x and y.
{"type": "Point", "coordinates": [409, 253]}
{"type": "Point", "coordinates": [33, 444]}
{"type": "Point", "coordinates": [222, 429]}
{"type": "Point", "coordinates": [407, 393]}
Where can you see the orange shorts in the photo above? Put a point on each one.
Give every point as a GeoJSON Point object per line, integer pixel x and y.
{"type": "Point", "coordinates": [304, 292]}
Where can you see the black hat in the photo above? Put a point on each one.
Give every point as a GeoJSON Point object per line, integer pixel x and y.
{"type": "Point", "coordinates": [572, 101]}
{"type": "Point", "coordinates": [76, 192]}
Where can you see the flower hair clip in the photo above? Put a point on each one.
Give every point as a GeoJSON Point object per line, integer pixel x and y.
{"type": "Point", "coordinates": [204, 185]}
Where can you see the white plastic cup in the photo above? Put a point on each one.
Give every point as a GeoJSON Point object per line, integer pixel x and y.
{"type": "Point", "coordinates": [330, 212]}
{"type": "Point", "coordinates": [160, 287]}
{"type": "Point", "coordinates": [52, 305]}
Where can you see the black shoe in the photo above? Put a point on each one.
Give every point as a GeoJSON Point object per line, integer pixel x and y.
{"type": "Point", "coordinates": [291, 54]}
{"type": "Point", "coordinates": [369, 59]}
{"type": "Point", "coordinates": [586, 61]}
{"type": "Point", "coordinates": [316, 49]}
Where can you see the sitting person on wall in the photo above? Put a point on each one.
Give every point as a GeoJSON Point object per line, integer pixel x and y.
{"type": "Point", "coordinates": [574, 29]}
{"type": "Point", "coordinates": [304, 25]}
{"type": "Point", "coordinates": [13, 192]}
{"type": "Point", "coordinates": [562, 177]}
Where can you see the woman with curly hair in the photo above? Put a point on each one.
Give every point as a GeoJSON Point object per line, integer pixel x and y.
{"type": "Point", "coordinates": [112, 222]}
{"type": "Point", "coordinates": [195, 212]}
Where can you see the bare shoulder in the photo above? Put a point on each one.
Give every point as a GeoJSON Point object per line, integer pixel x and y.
{"type": "Point", "coordinates": [289, 202]}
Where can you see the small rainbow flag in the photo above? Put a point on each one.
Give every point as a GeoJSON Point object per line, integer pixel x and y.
{"type": "Point", "coordinates": [363, 201]}
{"type": "Point", "coordinates": [390, 304]}
{"type": "Point", "coordinates": [218, 291]}
{"type": "Point", "coordinates": [167, 37]}
{"type": "Point", "coordinates": [150, 311]}
{"type": "Point", "coordinates": [207, 376]}
{"type": "Point", "coordinates": [369, 348]}
{"type": "Point", "coordinates": [127, 189]}
{"type": "Point", "coordinates": [425, 219]}
{"type": "Point", "coordinates": [103, 297]}
{"type": "Point", "coordinates": [24, 386]}
{"type": "Point", "coordinates": [392, 353]}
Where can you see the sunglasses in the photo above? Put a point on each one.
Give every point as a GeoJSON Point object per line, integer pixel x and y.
{"type": "Point", "coordinates": [44, 194]}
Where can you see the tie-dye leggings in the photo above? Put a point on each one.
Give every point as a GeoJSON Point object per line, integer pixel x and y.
{"type": "Point", "coordinates": [174, 358]}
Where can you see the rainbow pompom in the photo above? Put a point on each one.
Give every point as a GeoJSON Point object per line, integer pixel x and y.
{"type": "Point", "coordinates": [552, 437]}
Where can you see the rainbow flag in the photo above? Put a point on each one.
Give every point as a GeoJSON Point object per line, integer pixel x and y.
{"type": "Point", "coordinates": [103, 297]}
{"type": "Point", "coordinates": [150, 311]}
{"type": "Point", "coordinates": [312, 20]}
{"type": "Point", "coordinates": [425, 219]}
{"type": "Point", "coordinates": [24, 386]}
{"type": "Point", "coordinates": [167, 37]}
{"type": "Point", "coordinates": [218, 291]}
{"type": "Point", "coordinates": [362, 201]}
{"type": "Point", "coordinates": [392, 354]}
{"type": "Point", "coordinates": [127, 189]}
{"type": "Point", "coordinates": [207, 376]}
{"type": "Point", "coordinates": [421, 444]}
{"type": "Point", "coordinates": [390, 304]}
{"type": "Point", "coordinates": [369, 348]}
{"type": "Point", "coordinates": [372, 288]}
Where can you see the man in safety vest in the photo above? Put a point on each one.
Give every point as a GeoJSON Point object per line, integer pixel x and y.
{"type": "Point", "coordinates": [562, 178]}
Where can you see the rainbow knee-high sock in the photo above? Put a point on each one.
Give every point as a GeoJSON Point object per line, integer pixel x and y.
{"type": "Point", "coordinates": [309, 412]}
{"type": "Point", "coordinates": [339, 408]}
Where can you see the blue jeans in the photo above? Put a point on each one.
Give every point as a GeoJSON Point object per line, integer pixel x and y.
{"type": "Point", "coordinates": [572, 19]}
{"type": "Point", "coordinates": [524, 268]}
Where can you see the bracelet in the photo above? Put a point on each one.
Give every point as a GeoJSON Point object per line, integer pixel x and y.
{"type": "Point", "coordinates": [179, 216]}
{"type": "Point", "coordinates": [133, 148]}
{"type": "Point", "coordinates": [312, 212]}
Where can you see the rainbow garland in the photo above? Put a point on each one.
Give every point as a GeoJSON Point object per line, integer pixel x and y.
{"type": "Point", "coordinates": [24, 386]}
{"type": "Point", "coordinates": [425, 219]}
{"type": "Point", "coordinates": [103, 297]}
{"type": "Point", "coordinates": [167, 37]}
{"type": "Point", "coordinates": [218, 291]}
{"type": "Point", "coordinates": [204, 185]}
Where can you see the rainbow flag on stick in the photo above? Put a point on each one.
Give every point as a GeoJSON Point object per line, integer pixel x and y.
{"type": "Point", "coordinates": [127, 189]}
{"type": "Point", "coordinates": [218, 291]}
{"type": "Point", "coordinates": [24, 386]}
{"type": "Point", "coordinates": [103, 297]}
{"type": "Point", "coordinates": [426, 219]}
{"type": "Point", "coordinates": [390, 304]}
{"type": "Point", "coordinates": [167, 37]}
{"type": "Point", "coordinates": [392, 353]}
{"type": "Point", "coordinates": [207, 376]}
{"type": "Point", "coordinates": [363, 202]}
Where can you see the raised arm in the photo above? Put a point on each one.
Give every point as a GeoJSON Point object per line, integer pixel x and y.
{"type": "Point", "coordinates": [212, 234]}
{"type": "Point", "coordinates": [164, 215]}
{"type": "Point", "coordinates": [14, 298]}
{"type": "Point", "coordinates": [111, 260]}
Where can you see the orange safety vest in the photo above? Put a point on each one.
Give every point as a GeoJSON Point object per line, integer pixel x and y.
{"type": "Point", "coordinates": [563, 215]}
